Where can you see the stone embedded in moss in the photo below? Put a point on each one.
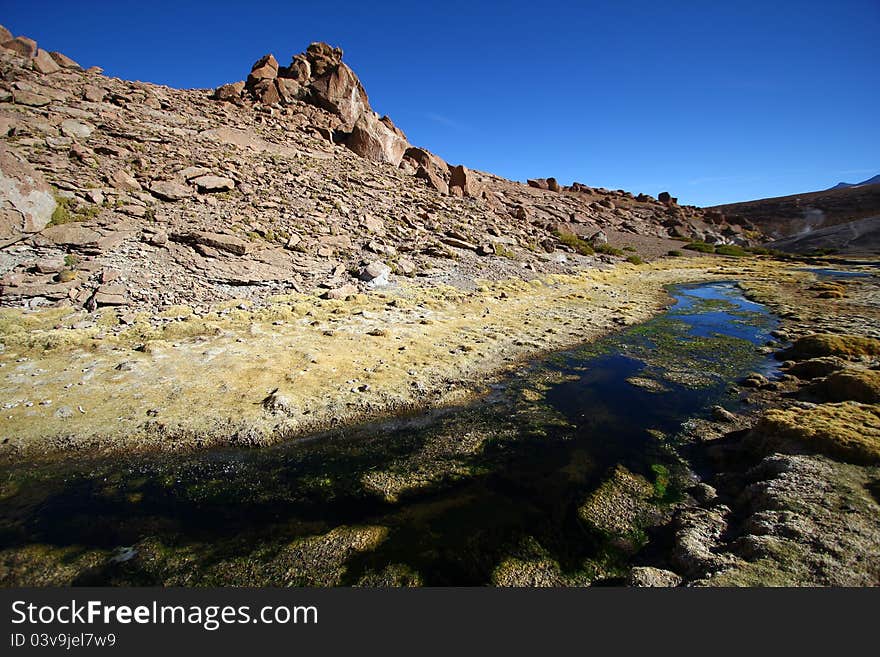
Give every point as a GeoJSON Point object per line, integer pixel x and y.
{"type": "Point", "coordinates": [621, 505]}
{"type": "Point", "coordinates": [824, 344]}
{"type": "Point", "coordinates": [849, 431]}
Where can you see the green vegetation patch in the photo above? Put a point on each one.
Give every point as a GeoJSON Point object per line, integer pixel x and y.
{"type": "Point", "coordinates": [581, 246]}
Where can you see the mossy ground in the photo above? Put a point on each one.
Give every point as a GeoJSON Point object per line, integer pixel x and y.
{"type": "Point", "coordinates": [190, 380]}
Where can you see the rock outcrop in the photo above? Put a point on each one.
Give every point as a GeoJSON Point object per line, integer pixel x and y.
{"type": "Point", "coordinates": [319, 77]}
{"type": "Point", "coordinates": [26, 200]}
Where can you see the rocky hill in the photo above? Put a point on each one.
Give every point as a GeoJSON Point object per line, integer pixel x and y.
{"type": "Point", "coordinates": [119, 193]}
{"type": "Point", "coordinates": [798, 214]}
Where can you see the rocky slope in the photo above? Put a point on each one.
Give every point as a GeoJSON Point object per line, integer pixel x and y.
{"type": "Point", "coordinates": [792, 216]}
{"type": "Point", "coordinates": [142, 197]}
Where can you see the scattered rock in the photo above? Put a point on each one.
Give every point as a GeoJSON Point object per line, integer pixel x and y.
{"type": "Point", "coordinates": [342, 293]}
{"type": "Point", "coordinates": [214, 184]}
{"type": "Point", "coordinates": [228, 243]}
{"type": "Point", "coordinates": [168, 190]}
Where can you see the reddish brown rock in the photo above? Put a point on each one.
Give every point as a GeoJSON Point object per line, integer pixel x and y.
{"type": "Point", "coordinates": [432, 177]}
{"type": "Point", "coordinates": [300, 69]}
{"type": "Point", "coordinates": [71, 234]}
{"type": "Point", "coordinates": [266, 68]}
{"type": "Point", "coordinates": [5, 35]}
{"type": "Point", "coordinates": [428, 167]}
{"type": "Point", "coordinates": [322, 58]}
{"type": "Point", "coordinates": [373, 139]}
{"type": "Point", "coordinates": [266, 91]}
{"type": "Point", "coordinates": [340, 92]}
{"type": "Point", "coordinates": [213, 184]}
{"type": "Point", "coordinates": [64, 61]}
{"type": "Point", "coordinates": [43, 63]}
{"type": "Point", "coordinates": [94, 94]}
{"type": "Point", "coordinates": [26, 200]}
{"type": "Point", "coordinates": [289, 90]}
{"type": "Point", "coordinates": [462, 182]}
{"type": "Point", "coordinates": [341, 293]}
{"type": "Point", "coordinates": [22, 45]}
{"type": "Point", "coordinates": [229, 92]}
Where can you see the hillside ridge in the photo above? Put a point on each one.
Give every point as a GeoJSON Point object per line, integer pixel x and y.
{"type": "Point", "coordinates": [142, 197]}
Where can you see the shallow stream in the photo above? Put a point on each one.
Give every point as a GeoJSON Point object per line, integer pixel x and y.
{"type": "Point", "coordinates": [491, 492]}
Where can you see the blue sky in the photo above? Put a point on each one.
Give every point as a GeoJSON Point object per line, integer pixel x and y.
{"type": "Point", "coordinates": [713, 101]}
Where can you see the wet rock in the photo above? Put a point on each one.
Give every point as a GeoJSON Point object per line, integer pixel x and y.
{"type": "Point", "coordinates": [754, 380]}
{"type": "Point", "coordinates": [721, 414]}
{"type": "Point", "coordinates": [621, 507]}
{"type": "Point", "coordinates": [697, 533]}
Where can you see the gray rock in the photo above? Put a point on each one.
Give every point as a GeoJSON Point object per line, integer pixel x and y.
{"type": "Point", "coordinates": [76, 129]}
{"type": "Point", "coordinates": [213, 183]}
{"type": "Point", "coordinates": [647, 576]}
{"type": "Point", "coordinates": [168, 190]}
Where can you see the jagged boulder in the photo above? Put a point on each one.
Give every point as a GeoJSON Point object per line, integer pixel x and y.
{"type": "Point", "coordinates": [26, 200]}
{"type": "Point", "coordinates": [340, 92]}
{"type": "Point", "coordinates": [428, 167]}
{"type": "Point", "coordinates": [550, 184]}
{"type": "Point", "coordinates": [64, 61]}
{"type": "Point", "coordinates": [462, 182]}
{"type": "Point", "coordinates": [374, 139]}
{"type": "Point", "coordinates": [265, 68]}
{"type": "Point", "coordinates": [44, 63]}
{"type": "Point", "coordinates": [230, 92]}
{"type": "Point", "coordinates": [22, 45]}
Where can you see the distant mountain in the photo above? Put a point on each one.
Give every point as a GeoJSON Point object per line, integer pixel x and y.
{"type": "Point", "coordinates": [786, 216]}
{"type": "Point", "coordinates": [870, 181]}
